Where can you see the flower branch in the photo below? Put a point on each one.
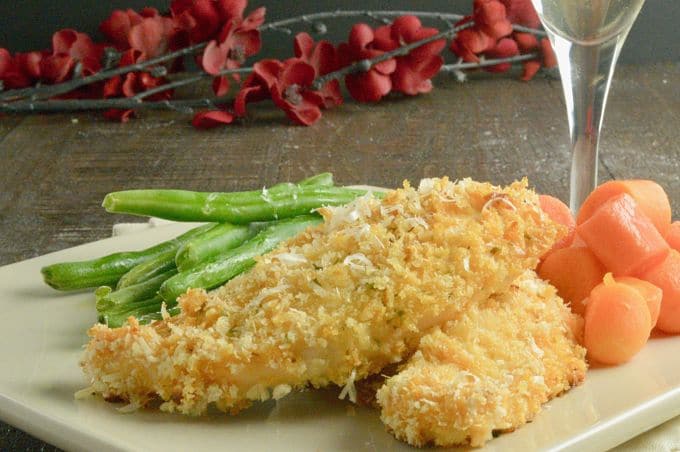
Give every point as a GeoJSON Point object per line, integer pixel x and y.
{"type": "Point", "coordinates": [129, 71]}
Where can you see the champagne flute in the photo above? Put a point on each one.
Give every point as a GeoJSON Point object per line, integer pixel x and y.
{"type": "Point", "coordinates": [587, 36]}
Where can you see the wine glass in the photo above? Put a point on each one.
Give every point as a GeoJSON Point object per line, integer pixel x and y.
{"type": "Point", "coordinates": [587, 36]}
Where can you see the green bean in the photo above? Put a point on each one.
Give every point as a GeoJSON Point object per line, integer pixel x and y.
{"type": "Point", "coordinates": [153, 316]}
{"type": "Point", "coordinates": [107, 298]}
{"type": "Point", "coordinates": [206, 247]}
{"type": "Point", "coordinates": [252, 206]}
{"type": "Point", "coordinates": [233, 262]}
{"type": "Point", "coordinates": [116, 316]}
{"type": "Point", "coordinates": [149, 269]}
{"type": "Point", "coordinates": [107, 270]}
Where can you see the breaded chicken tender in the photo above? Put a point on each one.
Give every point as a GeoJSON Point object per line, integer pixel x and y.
{"type": "Point", "coordinates": [339, 302]}
{"type": "Point", "coordinates": [489, 369]}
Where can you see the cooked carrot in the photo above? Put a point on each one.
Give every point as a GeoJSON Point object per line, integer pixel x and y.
{"type": "Point", "coordinates": [578, 241]}
{"type": "Point", "coordinates": [616, 322]}
{"type": "Point", "coordinates": [666, 275]}
{"type": "Point", "coordinates": [574, 272]}
{"type": "Point", "coordinates": [559, 212]}
{"type": "Point", "coordinates": [649, 195]}
{"type": "Point", "coordinates": [622, 237]}
{"type": "Point", "coordinates": [650, 293]}
{"type": "Point", "coordinates": [673, 235]}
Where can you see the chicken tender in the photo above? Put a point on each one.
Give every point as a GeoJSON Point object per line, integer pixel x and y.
{"type": "Point", "coordinates": [337, 303]}
{"type": "Point", "coordinates": [490, 369]}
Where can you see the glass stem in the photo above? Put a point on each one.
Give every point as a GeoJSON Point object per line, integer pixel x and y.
{"type": "Point", "coordinates": [586, 72]}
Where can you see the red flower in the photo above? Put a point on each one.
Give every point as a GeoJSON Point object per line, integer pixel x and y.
{"type": "Point", "coordinates": [202, 20]}
{"type": "Point", "coordinates": [490, 24]}
{"type": "Point", "coordinates": [212, 118]}
{"type": "Point", "coordinates": [152, 36]}
{"type": "Point", "coordinates": [69, 48]}
{"type": "Point", "coordinates": [470, 42]}
{"type": "Point", "coordinates": [521, 12]}
{"type": "Point", "coordinates": [256, 86]}
{"type": "Point", "coordinates": [490, 18]}
{"type": "Point", "coordinates": [373, 84]}
{"type": "Point", "coordinates": [505, 48]}
{"type": "Point", "coordinates": [235, 43]}
{"type": "Point", "coordinates": [528, 43]}
{"type": "Point", "coordinates": [238, 40]}
{"type": "Point", "coordinates": [20, 70]}
{"type": "Point", "coordinates": [118, 25]}
{"type": "Point", "coordinates": [288, 83]}
{"type": "Point", "coordinates": [414, 71]}
{"type": "Point", "coordinates": [148, 31]}
{"type": "Point", "coordinates": [324, 59]}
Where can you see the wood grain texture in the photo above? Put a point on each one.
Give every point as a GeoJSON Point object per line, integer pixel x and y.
{"type": "Point", "coordinates": [56, 169]}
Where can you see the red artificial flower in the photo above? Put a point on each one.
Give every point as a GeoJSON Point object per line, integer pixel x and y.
{"type": "Point", "coordinates": [69, 48]}
{"type": "Point", "coordinates": [152, 36]}
{"type": "Point", "coordinates": [490, 18]}
{"type": "Point", "coordinates": [202, 20]}
{"type": "Point", "coordinates": [324, 59]}
{"type": "Point", "coordinates": [212, 118]}
{"type": "Point", "coordinates": [288, 84]}
{"type": "Point", "coordinates": [221, 85]}
{"type": "Point", "coordinates": [147, 31]}
{"type": "Point", "coordinates": [414, 71]}
{"type": "Point", "coordinates": [374, 83]}
{"type": "Point", "coordinates": [235, 43]}
{"type": "Point", "coordinates": [238, 39]}
{"type": "Point", "coordinates": [521, 12]}
{"type": "Point", "coordinates": [256, 87]}
{"type": "Point", "coordinates": [490, 24]}
{"type": "Point", "coordinates": [118, 25]}
{"type": "Point", "coordinates": [505, 48]}
{"type": "Point", "coordinates": [20, 70]}
{"type": "Point", "coordinates": [470, 42]}
{"type": "Point", "coordinates": [10, 75]}
{"type": "Point", "coordinates": [528, 43]}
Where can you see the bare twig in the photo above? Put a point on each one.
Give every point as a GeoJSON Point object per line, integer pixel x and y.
{"type": "Point", "coordinates": [486, 63]}
{"type": "Point", "coordinates": [188, 81]}
{"type": "Point", "coordinates": [46, 106]}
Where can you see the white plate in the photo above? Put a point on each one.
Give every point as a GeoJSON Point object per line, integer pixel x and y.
{"type": "Point", "coordinates": [43, 332]}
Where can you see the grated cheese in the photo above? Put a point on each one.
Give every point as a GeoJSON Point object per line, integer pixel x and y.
{"type": "Point", "coordinates": [290, 258]}
{"type": "Point", "coordinates": [358, 261]}
{"type": "Point", "coordinates": [498, 198]}
{"type": "Point", "coordinates": [349, 389]}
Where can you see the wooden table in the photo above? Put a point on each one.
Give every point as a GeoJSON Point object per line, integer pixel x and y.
{"type": "Point", "coordinates": [56, 169]}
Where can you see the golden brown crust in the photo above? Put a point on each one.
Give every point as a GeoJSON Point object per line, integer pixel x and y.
{"type": "Point", "coordinates": [490, 369]}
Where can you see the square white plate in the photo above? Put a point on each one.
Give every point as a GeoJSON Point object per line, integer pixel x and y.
{"type": "Point", "coordinates": [43, 332]}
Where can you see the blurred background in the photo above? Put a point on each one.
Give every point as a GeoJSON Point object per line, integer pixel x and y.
{"type": "Point", "coordinates": [29, 24]}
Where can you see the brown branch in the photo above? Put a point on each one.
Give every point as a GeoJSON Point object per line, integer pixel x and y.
{"type": "Point", "coordinates": [71, 105]}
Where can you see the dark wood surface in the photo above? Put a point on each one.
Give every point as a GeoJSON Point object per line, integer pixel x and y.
{"type": "Point", "coordinates": [56, 169]}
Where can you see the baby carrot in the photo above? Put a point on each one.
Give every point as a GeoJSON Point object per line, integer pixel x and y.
{"type": "Point", "coordinates": [559, 212]}
{"type": "Point", "coordinates": [622, 237]}
{"type": "Point", "coordinates": [649, 195]}
{"type": "Point", "coordinates": [650, 293]}
{"type": "Point", "coordinates": [666, 275]}
{"type": "Point", "coordinates": [616, 322]}
{"type": "Point", "coordinates": [673, 235]}
{"type": "Point", "coordinates": [574, 272]}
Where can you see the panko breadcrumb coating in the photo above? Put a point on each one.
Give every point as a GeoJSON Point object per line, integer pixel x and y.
{"type": "Point", "coordinates": [489, 369]}
{"type": "Point", "coordinates": [337, 303]}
